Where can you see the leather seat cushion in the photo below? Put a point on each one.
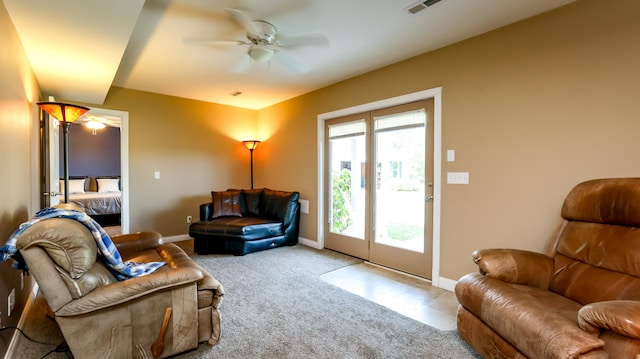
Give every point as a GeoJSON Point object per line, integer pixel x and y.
{"type": "Point", "coordinates": [248, 228]}
{"type": "Point", "coordinates": [533, 331]}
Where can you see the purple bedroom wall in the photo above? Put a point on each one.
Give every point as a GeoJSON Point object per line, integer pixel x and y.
{"type": "Point", "coordinates": [92, 155]}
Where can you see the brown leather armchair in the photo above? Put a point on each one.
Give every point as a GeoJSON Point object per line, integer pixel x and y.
{"type": "Point", "coordinates": [579, 300]}
{"type": "Point", "coordinates": [175, 307]}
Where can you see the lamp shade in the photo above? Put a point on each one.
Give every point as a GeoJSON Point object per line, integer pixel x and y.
{"type": "Point", "coordinates": [63, 112]}
{"type": "Point", "coordinates": [251, 144]}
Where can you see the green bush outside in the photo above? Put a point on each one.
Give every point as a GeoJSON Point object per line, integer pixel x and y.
{"type": "Point", "coordinates": [341, 199]}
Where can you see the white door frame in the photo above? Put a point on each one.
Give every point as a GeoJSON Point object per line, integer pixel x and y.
{"type": "Point", "coordinates": [124, 160]}
{"type": "Point", "coordinates": [436, 94]}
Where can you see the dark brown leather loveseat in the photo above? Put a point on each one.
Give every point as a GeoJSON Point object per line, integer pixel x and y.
{"type": "Point", "coordinates": [244, 221]}
{"type": "Point", "coordinates": [580, 300]}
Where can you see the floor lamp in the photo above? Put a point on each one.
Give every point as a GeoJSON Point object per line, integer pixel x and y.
{"type": "Point", "coordinates": [65, 114]}
{"type": "Point", "coordinates": [251, 145]}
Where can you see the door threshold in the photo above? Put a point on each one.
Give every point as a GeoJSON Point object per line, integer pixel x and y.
{"type": "Point", "coordinates": [399, 272]}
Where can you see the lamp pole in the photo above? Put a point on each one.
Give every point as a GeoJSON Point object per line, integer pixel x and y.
{"type": "Point", "coordinates": [251, 157]}
{"type": "Point", "coordinates": [251, 145]}
{"type": "Point", "coordinates": [65, 146]}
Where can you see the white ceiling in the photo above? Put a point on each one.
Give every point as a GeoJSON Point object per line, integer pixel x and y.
{"type": "Point", "coordinates": [80, 48]}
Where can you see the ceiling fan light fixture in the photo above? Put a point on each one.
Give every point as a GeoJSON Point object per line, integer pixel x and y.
{"type": "Point", "coordinates": [94, 126]}
{"type": "Point", "coordinates": [260, 53]}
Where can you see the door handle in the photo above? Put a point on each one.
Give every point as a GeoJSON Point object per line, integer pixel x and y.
{"type": "Point", "coordinates": [428, 198]}
{"type": "Point", "coordinates": [52, 194]}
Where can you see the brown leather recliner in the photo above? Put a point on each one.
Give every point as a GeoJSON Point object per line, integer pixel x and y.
{"type": "Point", "coordinates": [579, 300]}
{"type": "Point", "coordinates": [101, 317]}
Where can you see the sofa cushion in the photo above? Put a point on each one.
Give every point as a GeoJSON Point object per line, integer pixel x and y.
{"type": "Point", "coordinates": [95, 277]}
{"type": "Point", "coordinates": [609, 201]}
{"type": "Point", "coordinates": [249, 228]}
{"type": "Point", "coordinates": [276, 204]}
{"type": "Point", "coordinates": [548, 327]}
{"type": "Point", "coordinates": [596, 255]}
{"type": "Point", "coordinates": [225, 204]}
{"type": "Point", "coordinates": [252, 201]}
{"type": "Point", "coordinates": [65, 242]}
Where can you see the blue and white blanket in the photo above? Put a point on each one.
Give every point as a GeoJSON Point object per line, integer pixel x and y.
{"type": "Point", "coordinates": [122, 270]}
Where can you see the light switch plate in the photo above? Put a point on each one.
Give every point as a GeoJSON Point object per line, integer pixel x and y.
{"type": "Point", "coordinates": [451, 155]}
{"type": "Point", "coordinates": [458, 177]}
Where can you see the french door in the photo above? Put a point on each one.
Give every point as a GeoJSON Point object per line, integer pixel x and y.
{"type": "Point", "coordinates": [379, 171]}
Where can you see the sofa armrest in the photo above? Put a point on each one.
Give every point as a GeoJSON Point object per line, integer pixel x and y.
{"type": "Point", "coordinates": [515, 266]}
{"type": "Point", "coordinates": [174, 256]}
{"type": "Point", "coordinates": [206, 211]}
{"type": "Point", "coordinates": [130, 289]}
{"type": "Point", "coordinates": [136, 242]}
{"type": "Point", "coordinates": [619, 316]}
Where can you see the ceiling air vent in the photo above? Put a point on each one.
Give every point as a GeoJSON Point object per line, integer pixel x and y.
{"type": "Point", "coordinates": [421, 5]}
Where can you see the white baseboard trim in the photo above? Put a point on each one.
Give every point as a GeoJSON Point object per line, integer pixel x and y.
{"type": "Point", "coordinates": [309, 243]}
{"type": "Point", "coordinates": [448, 284]}
{"type": "Point", "coordinates": [178, 238]}
{"type": "Point", "coordinates": [12, 345]}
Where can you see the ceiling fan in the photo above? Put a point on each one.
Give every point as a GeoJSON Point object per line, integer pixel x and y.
{"type": "Point", "coordinates": [264, 41]}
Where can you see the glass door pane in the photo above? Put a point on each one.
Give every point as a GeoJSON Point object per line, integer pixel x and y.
{"type": "Point", "coordinates": [347, 158]}
{"type": "Point", "coordinates": [399, 193]}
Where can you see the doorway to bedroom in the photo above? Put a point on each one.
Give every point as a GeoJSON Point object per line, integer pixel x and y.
{"type": "Point", "coordinates": [98, 166]}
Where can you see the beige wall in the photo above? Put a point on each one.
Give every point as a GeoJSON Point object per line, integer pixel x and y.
{"type": "Point", "coordinates": [194, 145]}
{"type": "Point", "coordinates": [18, 93]}
{"type": "Point", "coordinates": [531, 109]}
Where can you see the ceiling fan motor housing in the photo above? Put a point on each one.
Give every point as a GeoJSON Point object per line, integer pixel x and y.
{"type": "Point", "coordinates": [266, 33]}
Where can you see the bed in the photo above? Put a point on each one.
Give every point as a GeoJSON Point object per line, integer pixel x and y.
{"type": "Point", "coordinates": [99, 197]}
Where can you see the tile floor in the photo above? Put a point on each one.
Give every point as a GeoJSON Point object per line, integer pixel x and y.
{"type": "Point", "coordinates": [408, 295]}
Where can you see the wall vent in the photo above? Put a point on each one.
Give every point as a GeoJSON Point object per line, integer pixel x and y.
{"type": "Point", "coordinates": [421, 5]}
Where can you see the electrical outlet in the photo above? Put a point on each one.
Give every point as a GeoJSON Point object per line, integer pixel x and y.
{"type": "Point", "coordinates": [11, 302]}
{"type": "Point", "coordinates": [189, 219]}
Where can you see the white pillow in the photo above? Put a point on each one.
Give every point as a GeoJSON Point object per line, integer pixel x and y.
{"type": "Point", "coordinates": [108, 185]}
{"type": "Point", "coordinates": [75, 186]}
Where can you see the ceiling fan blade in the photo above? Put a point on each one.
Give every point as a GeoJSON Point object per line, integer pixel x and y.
{"type": "Point", "coordinates": [215, 42]}
{"type": "Point", "coordinates": [242, 66]}
{"type": "Point", "coordinates": [242, 19]}
{"type": "Point", "coordinates": [292, 63]}
{"type": "Point", "coordinates": [302, 40]}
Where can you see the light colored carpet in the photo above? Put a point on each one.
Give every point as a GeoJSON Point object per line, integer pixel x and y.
{"type": "Point", "coordinates": [276, 306]}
